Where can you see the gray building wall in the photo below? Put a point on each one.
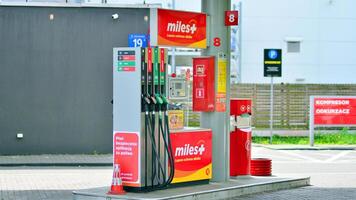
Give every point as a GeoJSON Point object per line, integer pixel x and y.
{"type": "Point", "coordinates": [56, 76]}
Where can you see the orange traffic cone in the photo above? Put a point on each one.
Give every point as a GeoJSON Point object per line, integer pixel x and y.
{"type": "Point", "coordinates": [116, 185]}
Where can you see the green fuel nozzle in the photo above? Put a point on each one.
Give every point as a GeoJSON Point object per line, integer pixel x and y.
{"type": "Point", "coordinates": [165, 103]}
{"type": "Point", "coordinates": [159, 99]}
{"type": "Point", "coordinates": [165, 100]}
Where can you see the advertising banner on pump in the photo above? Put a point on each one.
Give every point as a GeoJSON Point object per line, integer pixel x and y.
{"type": "Point", "coordinates": [334, 110]}
{"type": "Point", "coordinates": [177, 28]}
{"type": "Point", "coordinates": [127, 154]}
{"type": "Point", "coordinates": [192, 155]}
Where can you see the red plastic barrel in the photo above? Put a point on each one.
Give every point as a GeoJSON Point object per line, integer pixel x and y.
{"type": "Point", "coordinates": [261, 167]}
{"type": "Point", "coordinates": [240, 152]}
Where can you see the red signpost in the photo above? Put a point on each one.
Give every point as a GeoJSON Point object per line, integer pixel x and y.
{"type": "Point", "coordinates": [331, 111]}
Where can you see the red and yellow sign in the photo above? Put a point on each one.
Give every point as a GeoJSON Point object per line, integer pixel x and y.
{"type": "Point", "coordinates": [177, 28]}
{"type": "Point", "coordinates": [192, 155]}
{"type": "Point", "coordinates": [334, 111]}
{"type": "Point", "coordinates": [221, 93]}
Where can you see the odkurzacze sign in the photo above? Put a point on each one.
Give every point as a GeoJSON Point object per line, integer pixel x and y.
{"type": "Point", "coordinates": [334, 110]}
{"type": "Point", "coordinates": [337, 111]}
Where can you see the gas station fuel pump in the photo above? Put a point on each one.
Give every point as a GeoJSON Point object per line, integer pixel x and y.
{"type": "Point", "coordinates": [150, 155]}
{"type": "Point", "coordinates": [142, 144]}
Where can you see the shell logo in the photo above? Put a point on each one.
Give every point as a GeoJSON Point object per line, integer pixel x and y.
{"type": "Point", "coordinates": [207, 171]}
{"type": "Point", "coordinates": [248, 145]}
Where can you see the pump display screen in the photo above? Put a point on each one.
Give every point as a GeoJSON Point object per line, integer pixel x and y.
{"type": "Point", "coordinates": [179, 86]}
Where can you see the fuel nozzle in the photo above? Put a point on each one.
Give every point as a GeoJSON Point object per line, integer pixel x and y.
{"type": "Point", "coordinates": [146, 99]}
{"type": "Point", "coordinates": [165, 100]}
{"type": "Point", "coordinates": [165, 103]}
{"type": "Point", "coordinates": [153, 100]}
{"type": "Point", "coordinates": [159, 99]}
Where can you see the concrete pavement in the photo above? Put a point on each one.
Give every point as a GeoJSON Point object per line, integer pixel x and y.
{"type": "Point", "coordinates": [333, 173]}
{"type": "Point", "coordinates": [266, 132]}
{"type": "Point", "coordinates": [42, 183]}
{"type": "Point", "coordinates": [307, 193]}
{"type": "Point", "coordinates": [333, 176]}
{"type": "Point", "coordinates": [212, 191]}
{"type": "Point", "coordinates": [306, 147]}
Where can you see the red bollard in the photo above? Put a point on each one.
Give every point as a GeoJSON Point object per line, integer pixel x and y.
{"type": "Point", "coordinates": [240, 137]}
{"type": "Point", "coordinates": [240, 152]}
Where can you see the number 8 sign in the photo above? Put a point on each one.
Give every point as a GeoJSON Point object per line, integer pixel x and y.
{"type": "Point", "coordinates": [231, 18]}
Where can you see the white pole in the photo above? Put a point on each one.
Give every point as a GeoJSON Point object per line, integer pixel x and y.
{"type": "Point", "coordinates": [239, 28]}
{"type": "Point", "coordinates": [271, 113]}
{"type": "Point", "coordinates": [311, 121]}
{"type": "Point", "coordinates": [173, 49]}
{"type": "Point", "coordinates": [187, 105]}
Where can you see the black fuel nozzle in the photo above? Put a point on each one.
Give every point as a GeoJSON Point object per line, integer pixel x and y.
{"type": "Point", "coordinates": [153, 100]}
{"type": "Point", "coordinates": [153, 103]}
{"type": "Point", "coordinates": [146, 101]}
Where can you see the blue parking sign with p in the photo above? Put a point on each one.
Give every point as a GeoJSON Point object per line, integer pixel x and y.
{"type": "Point", "coordinates": [272, 63]}
{"type": "Point", "coordinates": [138, 40]}
{"type": "Point", "coordinates": [272, 54]}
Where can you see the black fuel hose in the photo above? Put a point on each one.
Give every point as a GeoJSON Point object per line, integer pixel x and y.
{"type": "Point", "coordinates": [167, 147]}
{"type": "Point", "coordinates": [167, 143]}
{"type": "Point", "coordinates": [154, 148]}
{"type": "Point", "coordinates": [170, 151]}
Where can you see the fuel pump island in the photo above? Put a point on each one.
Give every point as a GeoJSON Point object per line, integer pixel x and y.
{"type": "Point", "coordinates": [152, 156]}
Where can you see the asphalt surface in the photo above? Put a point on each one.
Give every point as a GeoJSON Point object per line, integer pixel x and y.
{"type": "Point", "coordinates": [333, 176]}
{"type": "Point", "coordinates": [333, 173]}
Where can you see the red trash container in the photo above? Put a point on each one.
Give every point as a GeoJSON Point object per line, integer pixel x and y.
{"type": "Point", "coordinates": [240, 152]}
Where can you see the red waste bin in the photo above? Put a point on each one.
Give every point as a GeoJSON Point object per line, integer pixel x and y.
{"type": "Point", "coordinates": [240, 152]}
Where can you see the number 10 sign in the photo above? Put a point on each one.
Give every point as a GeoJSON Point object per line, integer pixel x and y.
{"type": "Point", "coordinates": [138, 40]}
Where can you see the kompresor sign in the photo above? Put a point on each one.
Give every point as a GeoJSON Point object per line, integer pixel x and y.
{"type": "Point", "coordinates": [331, 111]}
{"type": "Point", "coordinates": [177, 28]}
{"type": "Point", "coordinates": [334, 110]}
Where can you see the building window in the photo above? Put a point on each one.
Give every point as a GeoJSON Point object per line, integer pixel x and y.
{"type": "Point", "coordinates": [293, 47]}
